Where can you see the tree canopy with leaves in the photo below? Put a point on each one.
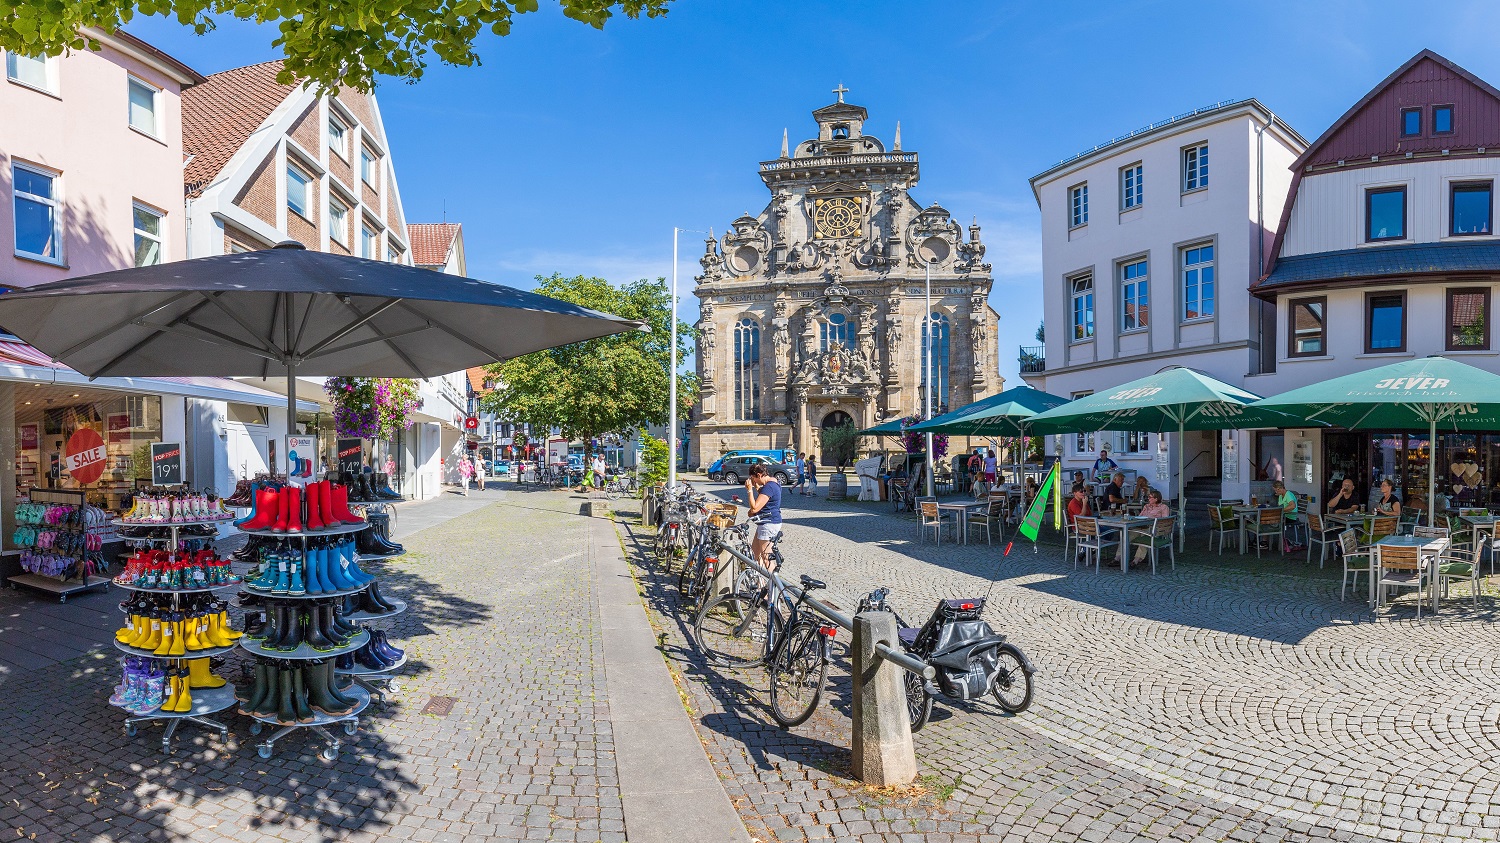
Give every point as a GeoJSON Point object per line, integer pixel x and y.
{"type": "Point", "coordinates": [343, 44]}
{"type": "Point", "coordinates": [604, 385]}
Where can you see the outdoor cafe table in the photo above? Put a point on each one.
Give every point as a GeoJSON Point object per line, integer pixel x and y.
{"type": "Point", "coordinates": [1430, 549]}
{"type": "Point", "coordinates": [1245, 514]}
{"type": "Point", "coordinates": [960, 512]}
{"type": "Point", "coordinates": [1123, 523]}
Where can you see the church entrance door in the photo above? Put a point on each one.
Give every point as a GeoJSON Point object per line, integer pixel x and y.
{"type": "Point", "coordinates": [837, 418]}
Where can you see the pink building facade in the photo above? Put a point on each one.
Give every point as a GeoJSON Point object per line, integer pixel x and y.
{"type": "Point", "coordinates": [91, 176]}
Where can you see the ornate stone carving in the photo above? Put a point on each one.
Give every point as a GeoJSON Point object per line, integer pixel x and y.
{"type": "Point", "coordinates": [837, 371]}
{"type": "Point", "coordinates": [932, 236]}
{"type": "Point", "coordinates": [971, 254]}
{"type": "Point", "coordinates": [781, 341]}
{"type": "Point", "coordinates": [746, 245]}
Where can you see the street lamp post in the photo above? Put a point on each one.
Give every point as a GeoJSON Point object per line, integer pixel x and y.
{"type": "Point", "coordinates": [672, 376]}
{"type": "Point", "coordinates": [927, 372]}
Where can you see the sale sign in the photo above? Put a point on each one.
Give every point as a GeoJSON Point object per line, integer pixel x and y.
{"type": "Point", "coordinates": [85, 458]}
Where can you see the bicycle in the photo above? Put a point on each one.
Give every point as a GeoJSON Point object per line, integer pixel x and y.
{"type": "Point", "coordinates": [793, 644]}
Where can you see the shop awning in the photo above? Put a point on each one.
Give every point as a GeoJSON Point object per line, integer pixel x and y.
{"type": "Point", "coordinates": [22, 363]}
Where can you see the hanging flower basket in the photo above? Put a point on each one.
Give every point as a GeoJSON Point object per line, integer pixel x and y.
{"type": "Point", "coordinates": [372, 408]}
{"type": "Point", "coordinates": [913, 440]}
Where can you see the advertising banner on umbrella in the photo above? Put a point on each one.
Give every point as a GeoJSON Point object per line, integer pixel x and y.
{"type": "Point", "coordinates": [1031, 524]}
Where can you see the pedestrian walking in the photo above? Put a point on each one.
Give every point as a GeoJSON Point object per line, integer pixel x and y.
{"type": "Point", "coordinates": [801, 472]}
{"type": "Point", "coordinates": [465, 471]}
{"type": "Point", "coordinates": [812, 476]}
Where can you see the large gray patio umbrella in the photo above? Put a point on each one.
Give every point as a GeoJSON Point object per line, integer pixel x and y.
{"type": "Point", "coordinates": [288, 311]}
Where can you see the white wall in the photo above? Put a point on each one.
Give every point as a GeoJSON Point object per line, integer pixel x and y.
{"type": "Point", "coordinates": [1329, 214]}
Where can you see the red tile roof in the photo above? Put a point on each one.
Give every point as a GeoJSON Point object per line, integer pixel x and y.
{"type": "Point", "coordinates": [477, 377]}
{"type": "Point", "coordinates": [431, 241]}
{"type": "Point", "coordinates": [219, 115]}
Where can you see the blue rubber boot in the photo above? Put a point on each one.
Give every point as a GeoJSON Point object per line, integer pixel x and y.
{"type": "Point", "coordinates": [283, 562]}
{"type": "Point", "coordinates": [295, 583]}
{"type": "Point", "coordinates": [312, 565]}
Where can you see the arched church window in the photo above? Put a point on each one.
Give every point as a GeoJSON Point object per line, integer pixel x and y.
{"type": "Point", "coordinates": [836, 330]}
{"type": "Point", "coordinates": [747, 371]}
{"type": "Point", "coordinates": [938, 371]}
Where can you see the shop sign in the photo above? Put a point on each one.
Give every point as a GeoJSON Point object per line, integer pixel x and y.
{"type": "Point", "coordinates": [85, 459]}
{"type": "Point", "coordinates": [1231, 459]}
{"type": "Point", "coordinates": [1302, 469]}
{"type": "Point", "coordinates": [351, 455]}
{"type": "Point", "coordinates": [30, 437]}
{"type": "Point", "coordinates": [118, 427]}
{"type": "Point", "coordinates": [301, 459]}
{"type": "Point", "coordinates": [1163, 463]}
{"type": "Point", "coordinates": [471, 423]}
{"type": "Point", "coordinates": [166, 463]}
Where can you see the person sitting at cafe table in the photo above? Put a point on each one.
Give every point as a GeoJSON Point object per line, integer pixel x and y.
{"type": "Point", "coordinates": [1389, 503]}
{"type": "Point", "coordinates": [1142, 491]}
{"type": "Point", "coordinates": [1288, 502]}
{"type": "Point", "coordinates": [1155, 508]}
{"type": "Point", "coordinates": [1345, 500]}
{"type": "Point", "coordinates": [1114, 493]}
{"type": "Point", "coordinates": [1079, 505]}
{"type": "Point", "coordinates": [1104, 464]}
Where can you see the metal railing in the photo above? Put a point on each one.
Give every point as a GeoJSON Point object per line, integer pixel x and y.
{"type": "Point", "coordinates": [887, 652]}
{"type": "Point", "coordinates": [1033, 359]}
{"type": "Point", "coordinates": [826, 160]}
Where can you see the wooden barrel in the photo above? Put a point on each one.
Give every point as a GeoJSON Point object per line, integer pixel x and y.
{"type": "Point", "coordinates": [838, 486]}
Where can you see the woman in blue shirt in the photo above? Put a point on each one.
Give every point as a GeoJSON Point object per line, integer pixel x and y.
{"type": "Point", "coordinates": [763, 496]}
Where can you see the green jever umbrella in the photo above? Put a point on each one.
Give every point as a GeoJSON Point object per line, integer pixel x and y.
{"type": "Point", "coordinates": [1424, 394]}
{"type": "Point", "coordinates": [1008, 413]}
{"type": "Point", "coordinates": [1171, 401]}
{"type": "Point", "coordinates": [890, 428]}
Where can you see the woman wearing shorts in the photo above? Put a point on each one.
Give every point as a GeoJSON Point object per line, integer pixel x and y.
{"type": "Point", "coordinates": [763, 496]}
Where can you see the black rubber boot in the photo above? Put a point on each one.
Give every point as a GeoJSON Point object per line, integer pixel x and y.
{"type": "Point", "coordinates": [376, 598]}
{"type": "Point", "coordinates": [286, 715]}
{"type": "Point", "coordinates": [251, 697]}
{"type": "Point", "coordinates": [266, 706]}
{"type": "Point", "coordinates": [317, 633]}
{"type": "Point", "coordinates": [320, 692]}
{"type": "Point", "coordinates": [299, 698]}
{"type": "Point", "coordinates": [340, 628]}
{"type": "Point", "coordinates": [291, 639]}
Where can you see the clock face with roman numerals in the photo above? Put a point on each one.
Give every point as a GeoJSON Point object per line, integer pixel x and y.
{"type": "Point", "coordinates": [836, 217]}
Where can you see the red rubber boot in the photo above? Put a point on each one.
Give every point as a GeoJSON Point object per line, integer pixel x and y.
{"type": "Point", "coordinates": [315, 516]}
{"type": "Point", "coordinates": [340, 507]}
{"type": "Point", "coordinates": [266, 503]}
{"type": "Point", "coordinates": [283, 509]}
{"type": "Point", "coordinates": [294, 509]}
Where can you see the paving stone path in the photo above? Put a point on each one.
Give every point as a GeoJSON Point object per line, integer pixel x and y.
{"type": "Point", "coordinates": [503, 618]}
{"type": "Point", "coordinates": [1228, 700]}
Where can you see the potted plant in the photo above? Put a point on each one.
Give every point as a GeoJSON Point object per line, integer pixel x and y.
{"type": "Point", "coordinates": [839, 443]}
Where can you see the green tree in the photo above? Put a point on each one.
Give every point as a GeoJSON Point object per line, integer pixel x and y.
{"type": "Point", "coordinates": [654, 455]}
{"type": "Point", "coordinates": [840, 443]}
{"type": "Point", "coordinates": [604, 385]}
{"type": "Point", "coordinates": [344, 44]}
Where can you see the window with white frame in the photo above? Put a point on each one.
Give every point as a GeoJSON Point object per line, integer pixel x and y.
{"type": "Point", "coordinates": [368, 172]}
{"type": "Point", "coordinates": [835, 329]}
{"type": "Point", "coordinates": [143, 100]}
{"type": "Point", "coordinates": [147, 223]}
{"type": "Point", "coordinates": [390, 254]}
{"type": "Point", "coordinates": [298, 191]}
{"type": "Point", "coordinates": [32, 71]}
{"type": "Point", "coordinates": [1082, 288]}
{"type": "Point", "coordinates": [1084, 443]}
{"type": "Point", "coordinates": [38, 223]}
{"type": "Point", "coordinates": [1198, 282]}
{"type": "Point", "coordinates": [338, 137]}
{"type": "Point", "coordinates": [369, 243]}
{"type": "Point", "coordinates": [1131, 195]}
{"type": "Point", "coordinates": [338, 222]}
{"type": "Point", "coordinates": [1195, 167]}
{"type": "Point", "coordinates": [1135, 303]}
{"type": "Point", "coordinates": [1078, 205]}
{"type": "Point", "coordinates": [1133, 442]}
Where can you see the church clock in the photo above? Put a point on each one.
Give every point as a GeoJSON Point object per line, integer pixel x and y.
{"type": "Point", "coordinates": [836, 217]}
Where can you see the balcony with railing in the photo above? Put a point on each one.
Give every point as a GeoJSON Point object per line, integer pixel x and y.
{"type": "Point", "coordinates": [1033, 359]}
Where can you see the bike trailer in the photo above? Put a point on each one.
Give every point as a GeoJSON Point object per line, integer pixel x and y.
{"type": "Point", "coordinates": [963, 648]}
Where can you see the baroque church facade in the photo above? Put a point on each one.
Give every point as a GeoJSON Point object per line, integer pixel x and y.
{"type": "Point", "coordinates": [812, 313]}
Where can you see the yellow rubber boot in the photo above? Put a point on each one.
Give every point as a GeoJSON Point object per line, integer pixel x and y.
{"type": "Point", "coordinates": [170, 635]}
{"type": "Point", "coordinates": [184, 696]}
{"type": "Point", "coordinates": [178, 644]}
{"type": "Point", "coordinates": [200, 676]}
{"type": "Point", "coordinates": [130, 632]}
{"type": "Point", "coordinates": [227, 632]}
{"type": "Point", "coordinates": [152, 629]}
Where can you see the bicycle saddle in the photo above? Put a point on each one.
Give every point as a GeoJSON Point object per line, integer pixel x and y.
{"type": "Point", "coordinates": [811, 584]}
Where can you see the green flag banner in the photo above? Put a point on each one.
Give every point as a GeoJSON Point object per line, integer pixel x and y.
{"type": "Point", "coordinates": [1031, 525]}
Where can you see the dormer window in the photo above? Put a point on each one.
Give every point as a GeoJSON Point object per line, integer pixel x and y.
{"type": "Point", "coordinates": [841, 132]}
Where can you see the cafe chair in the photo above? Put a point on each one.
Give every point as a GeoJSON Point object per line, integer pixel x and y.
{"type": "Point", "coordinates": [1377, 528]}
{"type": "Point", "coordinates": [1268, 525]}
{"type": "Point", "coordinates": [1231, 501]}
{"type": "Point", "coordinates": [929, 517]}
{"type": "Point", "coordinates": [1430, 532]}
{"type": "Point", "coordinates": [1356, 561]}
{"type": "Point", "coordinates": [1411, 519]}
{"type": "Point", "coordinates": [1322, 534]}
{"type": "Point", "coordinates": [1459, 563]}
{"type": "Point", "coordinates": [1400, 567]}
{"type": "Point", "coordinates": [1158, 535]}
{"type": "Point", "coordinates": [901, 496]}
{"type": "Point", "coordinates": [1221, 523]}
{"type": "Point", "coordinates": [993, 513]}
{"type": "Point", "coordinates": [1091, 541]}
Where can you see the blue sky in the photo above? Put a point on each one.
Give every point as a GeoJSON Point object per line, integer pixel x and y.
{"type": "Point", "coordinates": [576, 151]}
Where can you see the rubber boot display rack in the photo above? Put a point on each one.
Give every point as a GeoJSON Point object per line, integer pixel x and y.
{"type": "Point", "coordinates": [169, 622]}
{"type": "Point", "coordinates": [307, 580]}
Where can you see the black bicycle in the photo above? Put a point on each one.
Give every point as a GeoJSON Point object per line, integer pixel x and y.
{"type": "Point", "coordinates": [760, 623]}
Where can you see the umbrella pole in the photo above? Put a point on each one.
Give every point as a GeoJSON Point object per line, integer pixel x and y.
{"type": "Point", "coordinates": [1432, 465]}
{"type": "Point", "coordinates": [291, 402]}
{"type": "Point", "coordinates": [1181, 488]}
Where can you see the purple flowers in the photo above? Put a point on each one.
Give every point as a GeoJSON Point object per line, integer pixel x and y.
{"type": "Point", "coordinates": [912, 440]}
{"type": "Point", "coordinates": [372, 408]}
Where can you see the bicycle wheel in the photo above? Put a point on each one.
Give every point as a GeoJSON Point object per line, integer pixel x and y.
{"type": "Point", "coordinates": [687, 578]}
{"type": "Point", "coordinates": [918, 701]}
{"type": "Point", "coordinates": [797, 675]}
{"type": "Point", "coordinates": [1013, 682]}
{"type": "Point", "coordinates": [730, 631]}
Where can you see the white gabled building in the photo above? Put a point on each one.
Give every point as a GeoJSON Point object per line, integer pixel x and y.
{"type": "Point", "coordinates": [1150, 243]}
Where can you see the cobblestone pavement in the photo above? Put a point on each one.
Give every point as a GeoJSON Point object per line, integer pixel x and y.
{"type": "Point", "coordinates": [1232, 699]}
{"type": "Point", "coordinates": [503, 618]}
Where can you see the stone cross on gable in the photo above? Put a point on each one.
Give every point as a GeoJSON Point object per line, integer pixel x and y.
{"type": "Point", "coordinates": [841, 90]}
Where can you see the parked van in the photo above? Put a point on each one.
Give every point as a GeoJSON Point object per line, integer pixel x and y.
{"type": "Point", "coordinates": [782, 455]}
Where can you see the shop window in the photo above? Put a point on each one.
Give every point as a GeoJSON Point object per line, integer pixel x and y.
{"type": "Point", "coordinates": [1309, 332]}
{"type": "Point", "coordinates": [1385, 322]}
{"type": "Point", "coordinates": [1469, 319]}
{"type": "Point", "coordinates": [47, 416]}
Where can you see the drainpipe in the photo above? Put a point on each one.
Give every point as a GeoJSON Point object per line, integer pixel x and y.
{"type": "Point", "coordinates": [1260, 236]}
